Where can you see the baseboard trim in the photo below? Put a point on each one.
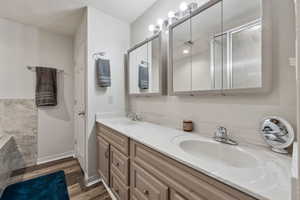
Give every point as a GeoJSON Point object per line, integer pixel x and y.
{"type": "Point", "coordinates": [111, 194]}
{"type": "Point", "coordinates": [51, 158]}
{"type": "Point", "coordinates": [92, 180]}
{"type": "Point", "coordinates": [97, 179]}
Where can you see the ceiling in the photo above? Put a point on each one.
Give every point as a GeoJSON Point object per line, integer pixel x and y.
{"type": "Point", "coordinates": [63, 16]}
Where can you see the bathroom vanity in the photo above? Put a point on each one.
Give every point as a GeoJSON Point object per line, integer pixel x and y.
{"type": "Point", "coordinates": [143, 161]}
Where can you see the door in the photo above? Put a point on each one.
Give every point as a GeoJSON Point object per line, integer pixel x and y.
{"type": "Point", "coordinates": [103, 159]}
{"type": "Point", "coordinates": [79, 103]}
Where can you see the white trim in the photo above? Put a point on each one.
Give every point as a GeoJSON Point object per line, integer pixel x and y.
{"type": "Point", "coordinates": [96, 179]}
{"type": "Point", "coordinates": [92, 180]}
{"type": "Point", "coordinates": [51, 158]}
{"type": "Point", "coordinates": [111, 194]}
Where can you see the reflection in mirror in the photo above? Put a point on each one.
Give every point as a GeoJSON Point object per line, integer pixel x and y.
{"type": "Point", "coordinates": [182, 63]}
{"type": "Point", "coordinates": [204, 25]}
{"type": "Point", "coordinates": [154, 64]}
{"type": "Point", "coordinates": [246, 57]}
{"type": "Point", "coordinates": [219, 47]}
{"type": "Point", "coordinates": [242, 64]}
{"type": "Point", "coordinates": [191, 50]}
{"type": "Point", "coordinates": [218, 58]}
{"type": "Point", "coordinates": [138, 63]}
{"type": "Point", "coordinates": [144, 67]}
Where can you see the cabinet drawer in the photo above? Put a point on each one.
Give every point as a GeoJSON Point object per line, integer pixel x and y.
{"type": "Point", "coordinates": [118, 188]}
{"type": "Point", "coordinates": [120, 165]}
{"type": "Point", "coordinates": [116, 139]}
{"type": "Point", "coordinates": [190, 183]}
{"type": "Point", "coordinates": [144, 186]}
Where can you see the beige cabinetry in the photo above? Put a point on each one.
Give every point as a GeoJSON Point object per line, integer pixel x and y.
{"type": "Point", "coordinates": [103, 159]}
{"type": "Point", "coordinates": [113, 161]}
{"type": "Point", "coordinates": [144, 186]}
{"type": "Point", "coordinates": [151, 175]}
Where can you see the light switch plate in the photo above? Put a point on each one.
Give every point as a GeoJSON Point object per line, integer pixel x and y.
{"type": "Point", "coordinates": [292, 62]}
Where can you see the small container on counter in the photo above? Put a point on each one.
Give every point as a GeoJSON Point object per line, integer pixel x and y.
{"type": "Point", "coordinates": [188, 126]}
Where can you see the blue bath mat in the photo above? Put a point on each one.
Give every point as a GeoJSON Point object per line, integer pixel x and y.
{"type": "Point", "coordinates": [48, 187]}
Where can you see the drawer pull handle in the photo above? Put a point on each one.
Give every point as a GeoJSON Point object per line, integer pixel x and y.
{"type": "Point", "coordinates": [117, 191]}
{"type": "Point", "coordinates": [117, 164]}
{"type": "Point", "coordinates": [146, 192]}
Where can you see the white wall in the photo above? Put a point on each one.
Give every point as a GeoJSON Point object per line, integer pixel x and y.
{"type": "Point", "coordinates": [241, 114]}
{"type": "Point", "coordinates": [110, 35]}
{"type": "Point", "coordinates": [296, 192]}
{"type": "Point", "coordinates": [22, 45]}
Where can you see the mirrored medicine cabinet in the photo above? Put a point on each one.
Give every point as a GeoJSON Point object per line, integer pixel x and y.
{"type": "Point", "coordinates": [222, 47]}
{"type": "Point", "coordinates": [145, 73]}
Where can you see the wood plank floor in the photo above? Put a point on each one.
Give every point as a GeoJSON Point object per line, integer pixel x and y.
{"type": "Point", "coordinates": [74, 177]}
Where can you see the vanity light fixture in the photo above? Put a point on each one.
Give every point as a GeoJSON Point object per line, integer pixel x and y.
{"type": "Point", "coordinates": [160, 23]}
{"type": "Point", "coordinates": [183, 6]}
{"type": "Point", "coordinates": [185, 51]}
{"type": "Point", "coordinates": [184, 10]}
{"type": "Point", "coordinates": [172, 17]}
{"type": "Point", "coordinates": [192, 6]}
{"type": "Point", "coordinates": [171, 14]}
{"type": "Point", "coordinates": [151, 27]}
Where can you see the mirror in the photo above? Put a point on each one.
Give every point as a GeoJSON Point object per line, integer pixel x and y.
{"type": "Point", "coordinates": [218, 48]}
{"type": "Point", "coordinates": [242, 46]}
{"type": "Point", "coordinates": [144, 67]}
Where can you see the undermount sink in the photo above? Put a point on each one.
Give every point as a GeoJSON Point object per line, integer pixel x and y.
{"type": "Point", "coordinates": [232, 156]}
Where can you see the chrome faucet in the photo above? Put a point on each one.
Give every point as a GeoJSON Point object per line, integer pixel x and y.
{"type": "Point", "coordinates": [134, 116]}
{"type": "Point", "coordinates": [221, 135]}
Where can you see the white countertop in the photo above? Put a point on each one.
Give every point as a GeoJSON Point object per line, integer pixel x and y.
{"type": "Point", "coordinates": [269, 179]}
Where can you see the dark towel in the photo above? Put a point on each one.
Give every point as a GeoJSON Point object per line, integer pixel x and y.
{"type": "Point", "coordinates": [103, 73]}
{"type": "Point", "coordinates": [46, 87]}
{"type": "Point", "coordinates": [143, 77]}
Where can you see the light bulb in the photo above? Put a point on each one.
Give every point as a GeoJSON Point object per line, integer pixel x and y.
{"type": "Point", "coordinates": [160, 21]}
{"type": "Point", "coordinates": [185, 51]}
{"type": "Point", "coordinates": [151, 27]}
{"type": "Point", "coordinates": [171, 14]}
{"type": "Point", "coordinates": [183, 6]}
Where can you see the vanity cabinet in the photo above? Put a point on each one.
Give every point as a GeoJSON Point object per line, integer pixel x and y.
{"type": "Point", "coordinates": [176, 196]}
{"type": "Point", "coordinates": [137, 172]}
{"type": "Point", "coordinates": [120, 165]}
{"type": "Point", "coordinates": [120, 190]}
{"type": "Point", "coordinates": [113, 160]}
{"type": "Point", "coordinates": [144, 186]}
{"type": "Point", "coordinates": [103, 161]}
{"type": "Point", "coordinates": [182, 181]}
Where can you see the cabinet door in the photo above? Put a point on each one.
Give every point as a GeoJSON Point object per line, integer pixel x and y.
{"type": "Point", "coordinates": [120, 191]}
{"type": "Point", "coordinates": [144, 186]}
{"type": "Point", "coordinates": [174, 195]}
{"type": "Point", "coordinates": [103, 159]}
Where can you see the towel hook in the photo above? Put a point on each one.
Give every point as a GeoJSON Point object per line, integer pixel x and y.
{"type": "Point", "coordinates": [99, 54]}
